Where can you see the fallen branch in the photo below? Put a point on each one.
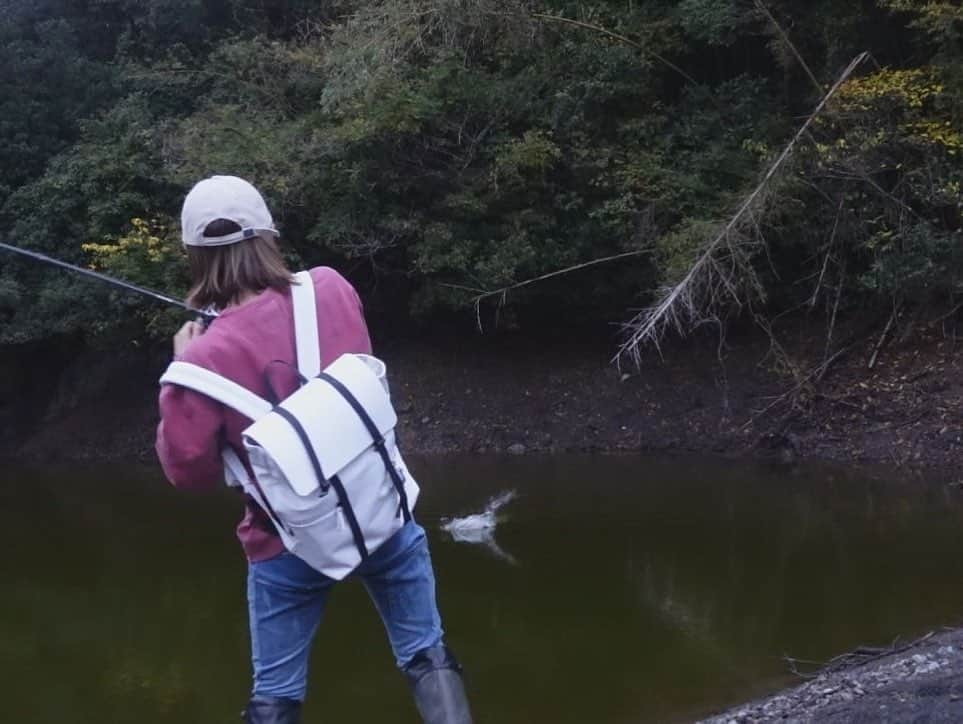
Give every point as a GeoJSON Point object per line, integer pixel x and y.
{"type": "Point", "coordinates": [707, 286]}
{"type": "Point", "coordinates": [814, 375]}
{"type": "Point", "coordinates": [944, 317]}
{"type": "Point", "coordinates": [882, 338]}
{"type": "Point", "coordinates": [857, 657]}
{"type": "Point", "coordinates": [832, 319]}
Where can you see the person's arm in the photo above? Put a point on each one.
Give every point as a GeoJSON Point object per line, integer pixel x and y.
{"type": "Point", "coordinates": [189, 439]}
{"type": "Point", "coordinates": [189, 435]}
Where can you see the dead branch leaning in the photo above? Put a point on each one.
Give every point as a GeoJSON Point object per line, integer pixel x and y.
{"type": "Point", "coordinates": [708, 286]}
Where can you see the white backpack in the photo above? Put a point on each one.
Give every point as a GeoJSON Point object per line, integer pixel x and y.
{"type": "Point", "coordinates": [327, 469]}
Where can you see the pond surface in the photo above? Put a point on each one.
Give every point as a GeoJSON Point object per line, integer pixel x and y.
{"type": "Point", "coordinates": [625, 590]}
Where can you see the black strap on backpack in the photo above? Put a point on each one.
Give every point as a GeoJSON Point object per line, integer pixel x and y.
{"type": "Point", "coordinates": [377, 437]}
{"type": "Point", "coordinates": [334, 480]}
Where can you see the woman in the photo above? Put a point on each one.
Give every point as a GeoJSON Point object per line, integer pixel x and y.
{"type": "Point", "coordinates": [237, 269]}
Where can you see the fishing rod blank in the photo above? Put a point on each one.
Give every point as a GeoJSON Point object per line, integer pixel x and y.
{"type": "Point", "coordinates": [105, 278]}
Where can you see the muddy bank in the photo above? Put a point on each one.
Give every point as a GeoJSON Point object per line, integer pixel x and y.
{"type": "Point", "coordinates": [514, 395]}
{"type": "Point", "coordinates": [920, 683]}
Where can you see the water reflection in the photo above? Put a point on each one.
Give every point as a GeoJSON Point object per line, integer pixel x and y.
{"type": "Point", "coordinates": [648, 591]}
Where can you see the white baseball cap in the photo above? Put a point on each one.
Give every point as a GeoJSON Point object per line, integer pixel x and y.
{"type": "Point", "coordinates": [224, 197]}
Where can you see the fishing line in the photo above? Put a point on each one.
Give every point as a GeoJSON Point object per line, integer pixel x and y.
{"type": "Point", "coordinates": [108, 279]}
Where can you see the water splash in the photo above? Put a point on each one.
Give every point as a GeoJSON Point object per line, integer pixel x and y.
{"type": "Point", "coordinates": [479, 528]}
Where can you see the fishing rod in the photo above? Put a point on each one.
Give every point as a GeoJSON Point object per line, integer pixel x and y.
{"type": "Point", "coordinates": [108, 279]}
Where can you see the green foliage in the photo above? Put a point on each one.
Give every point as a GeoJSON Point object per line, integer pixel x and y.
{"type": "Point", "coordinates": [889, 150]}
{"type": "Point", "coordinates": [449, 148]}
{"type": "Point", "coordinates": [716, 22]}
{"type": "Point", "coordinates": [148, 254]}
{"type": "Point", "coordinates": [47, 85]}
{"type": "Point", "coordinates": [942, 19]}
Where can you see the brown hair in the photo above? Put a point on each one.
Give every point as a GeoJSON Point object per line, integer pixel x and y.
{"type": "Point", "coordinates": [223, 274]}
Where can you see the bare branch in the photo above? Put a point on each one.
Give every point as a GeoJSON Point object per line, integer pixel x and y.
{"type": "Point", "coordinates": [882, 338]}
{"type": "Point", "coordinates": [567, 270]}
{"type": "Point", "coordinates": [697, 295]}
{"type": "Point", "coordinates": [785, 38]}
{"type": "Point", "coordinates": [621, 38]}
{"type": "Point", "coordinates": [815, 374]}
{"type": "Point", "coordinates": [829, 255]}
{"type": "Point", "coordinates": [832, 319]}
{"type": "Point", "coordinates": [481, 295]}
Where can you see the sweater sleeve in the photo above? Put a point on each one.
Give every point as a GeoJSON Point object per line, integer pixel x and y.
{"type": "Point", "coordinates": [189, 438]}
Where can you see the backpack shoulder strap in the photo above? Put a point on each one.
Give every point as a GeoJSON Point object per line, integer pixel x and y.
{"type": "Point", "coordinates": [195, 377]}
{"type": "Point", "coordinates": [306, 325]}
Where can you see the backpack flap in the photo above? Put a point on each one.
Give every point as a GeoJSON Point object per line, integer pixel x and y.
{"type": "Point", "coordinates": [281, 445]}
{"type": "Point", "coordinates": [320, 413]}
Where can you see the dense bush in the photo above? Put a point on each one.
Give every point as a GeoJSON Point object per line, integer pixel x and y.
{"type": "Point", "coordinates": [438, 149]}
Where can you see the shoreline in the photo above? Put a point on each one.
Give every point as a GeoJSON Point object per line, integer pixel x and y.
{"type": "Point", "coordinates": [521, 396]}
{"type": "Point", "coordinates": [919, 681]}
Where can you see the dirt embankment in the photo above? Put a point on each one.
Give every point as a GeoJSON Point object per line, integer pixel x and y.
{"type": "Point", "coordinates": [513, 395]}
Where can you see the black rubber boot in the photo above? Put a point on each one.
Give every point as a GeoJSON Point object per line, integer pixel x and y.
{"type": "Point", "coordinates": [435, 678]}
{"type": "Point", "coordinates": [269, 710]}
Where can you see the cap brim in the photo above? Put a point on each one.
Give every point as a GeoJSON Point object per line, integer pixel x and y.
{"type": "Point", "coordinates": [227, 239]}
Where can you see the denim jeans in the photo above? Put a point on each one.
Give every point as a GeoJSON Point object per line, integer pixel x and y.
{"type": "Point", "coordinates": [286, 600]}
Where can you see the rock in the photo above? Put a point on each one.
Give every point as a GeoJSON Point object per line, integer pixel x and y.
{"type": "Point", "coordinates": [517, 449]}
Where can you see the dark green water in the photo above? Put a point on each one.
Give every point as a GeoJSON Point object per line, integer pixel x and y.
{"type": "Point", "coordinates": [644, 591]}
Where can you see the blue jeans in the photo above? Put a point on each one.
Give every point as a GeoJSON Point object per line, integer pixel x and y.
{"type": "Point", "coordinates": [286, 600]}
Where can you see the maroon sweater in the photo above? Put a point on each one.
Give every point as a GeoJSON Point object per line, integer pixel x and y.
{"type": "Point", "coordinates": [242, 344]}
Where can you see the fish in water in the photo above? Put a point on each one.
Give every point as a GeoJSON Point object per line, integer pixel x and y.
{"type": "Point", "coordinates": [479, 528]}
